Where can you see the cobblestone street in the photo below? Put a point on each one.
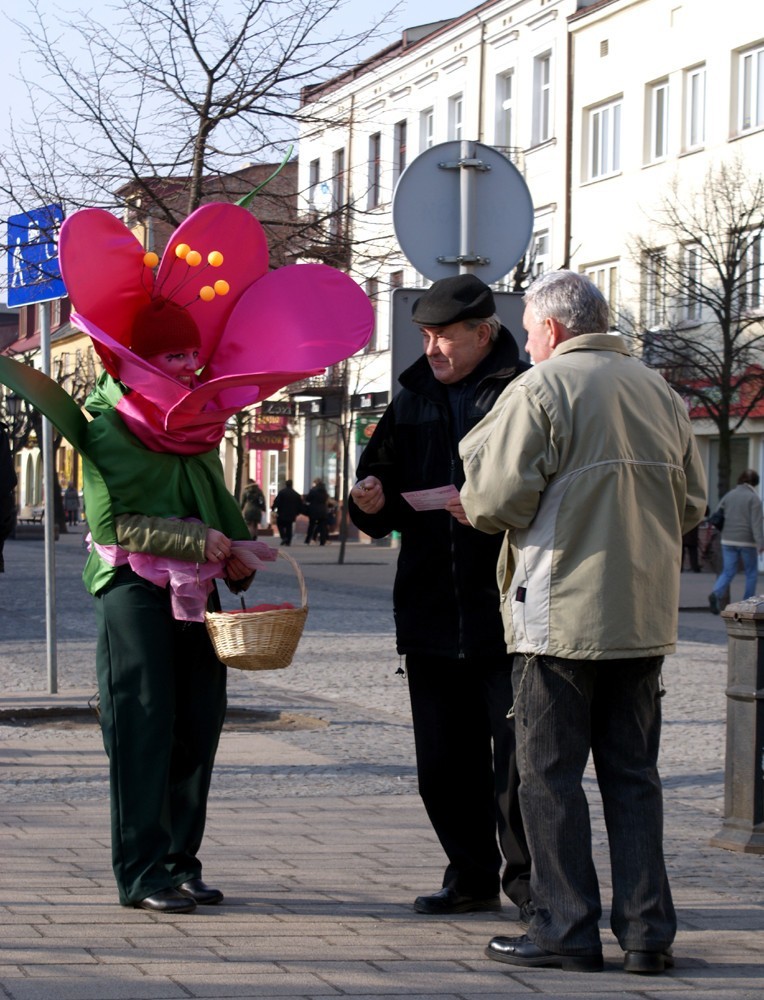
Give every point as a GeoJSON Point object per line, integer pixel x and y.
{"type": "Point", "coordinates": [316, 832]}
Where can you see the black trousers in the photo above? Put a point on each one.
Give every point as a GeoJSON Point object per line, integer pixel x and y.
{"type": "Point", "coordinates": [318, 528]}
{"type": "Point", "coordinates": [468, 781]}
{"type": "Point", "coordinates": [286, 528]}
{"type": "Point", "coordinates": [163, 698]}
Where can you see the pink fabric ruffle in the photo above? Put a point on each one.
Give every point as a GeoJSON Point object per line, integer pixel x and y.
{"type": "Point", "coordinates": [190, 583]}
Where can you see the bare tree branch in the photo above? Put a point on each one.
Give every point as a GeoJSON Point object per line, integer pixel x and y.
{"type": "Point", "coordinates": [703, 298]}
{"type": "Point", "coordinates": [171, 88]}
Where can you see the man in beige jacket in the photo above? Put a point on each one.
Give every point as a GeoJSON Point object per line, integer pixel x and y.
{"type": "Point", "coordinates": [588, 463]}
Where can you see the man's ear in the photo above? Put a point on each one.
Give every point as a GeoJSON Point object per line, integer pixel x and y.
{"type": "Point", "coordinates": [557, 331]}
{"type": "Point", "coordinates": [484, 334]}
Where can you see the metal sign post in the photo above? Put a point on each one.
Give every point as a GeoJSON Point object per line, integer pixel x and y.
{"type": "Point", "coordinates": [34, 276]}
{"type": "Point", "coordinates": [49, 519]}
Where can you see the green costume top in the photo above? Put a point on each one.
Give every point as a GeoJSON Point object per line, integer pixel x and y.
{"type": "Point", "coordinates": [121, 475]}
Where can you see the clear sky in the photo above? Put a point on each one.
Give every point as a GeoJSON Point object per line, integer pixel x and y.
{"type": "Point", "coordinates": [355, 15]}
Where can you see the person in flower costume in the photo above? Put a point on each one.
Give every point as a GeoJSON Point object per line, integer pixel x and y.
{"type": "Point", "coordinates": [185, 345]}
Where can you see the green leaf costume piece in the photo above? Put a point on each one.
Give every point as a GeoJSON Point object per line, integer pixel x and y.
{"type": "Point", "coordinates": [121, 475]}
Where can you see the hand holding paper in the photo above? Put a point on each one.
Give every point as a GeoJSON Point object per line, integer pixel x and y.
{"type": "Point", "coordinates": [434, 499]}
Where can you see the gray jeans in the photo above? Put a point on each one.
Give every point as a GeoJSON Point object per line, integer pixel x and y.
{"type": "Point", "coordinates": [563, 709]}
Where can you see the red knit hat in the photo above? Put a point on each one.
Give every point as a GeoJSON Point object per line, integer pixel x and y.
{"type": "Point", "coordinates": [163, 326]}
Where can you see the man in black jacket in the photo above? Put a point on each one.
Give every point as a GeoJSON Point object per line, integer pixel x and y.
{"type": "Point", "coordinates": [446, 600]}
{"type": "Point", "coordinates": [7, 492]}
{"type": "Point", "coordinates": [287, 504]}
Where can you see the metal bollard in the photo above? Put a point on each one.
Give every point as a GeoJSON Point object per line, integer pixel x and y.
{"type": "Point", "coordinates": [743, 826]}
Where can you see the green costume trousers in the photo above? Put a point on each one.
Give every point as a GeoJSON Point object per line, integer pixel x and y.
{"type": "Point", "coordinates": [163, 701]}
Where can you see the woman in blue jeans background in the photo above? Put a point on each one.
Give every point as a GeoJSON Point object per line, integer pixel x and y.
{"type": "Point", "coordinates": [742, 538]}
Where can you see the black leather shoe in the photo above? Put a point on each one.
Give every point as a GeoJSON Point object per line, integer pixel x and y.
{"type": "Point", "coordinates": [521, 951]}
{"type": "Point", "coordinates": [648, 963]}
{"type": "Point", "coordinates": [166, 901]}
{"type": "Point", "coordinates": [448, 900]}
{"type": "Point", "coordinates": [200, 892]}
{"type": "Point", "coordinates": [527, 912]}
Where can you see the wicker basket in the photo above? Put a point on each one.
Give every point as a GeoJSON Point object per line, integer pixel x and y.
{"type": "Point", "coordinates": [259, 640]}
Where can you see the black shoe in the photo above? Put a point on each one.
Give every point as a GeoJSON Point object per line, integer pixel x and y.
{"type": "Point", "coordinates": [448, 900]}
{"type": "Point", "coordinates": [521, 951]}
{"type": "Point", "coordinates": [527, 912]}
{"type": "Point", "coordinates": [200, 892]}
{"type": "Point", "coordinates": [166, 901]}
{"type": "Point", "coordinates": [648, 963]}
{"type": "Point", "coordinates": [713, 603]}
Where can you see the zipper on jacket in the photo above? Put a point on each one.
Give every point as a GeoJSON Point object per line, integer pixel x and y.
{"type": "Point", "coordinates": [452, 530]}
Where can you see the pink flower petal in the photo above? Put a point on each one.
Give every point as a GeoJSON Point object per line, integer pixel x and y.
{"type": "Point", "coordinates": [297, 318]}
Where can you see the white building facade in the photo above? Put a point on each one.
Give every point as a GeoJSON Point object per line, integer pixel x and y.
{"type": "Point", "coordinates": [496, 75]}
{"type": "Point", "coordinates": [601, 107]}
{"type": "Point", "coordinates": [663, 94]}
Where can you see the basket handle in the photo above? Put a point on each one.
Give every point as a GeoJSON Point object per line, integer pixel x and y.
{"type": "Point", "coordinates": [298, 573]}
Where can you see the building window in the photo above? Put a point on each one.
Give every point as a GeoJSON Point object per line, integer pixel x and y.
{"type": "Point", "coordinates": [542, 92]}
{"type": "Point", "coordinates": [654, 288]}
{"type": "Point", "coordinates": [396, 279]}
{"type": "Point", "coordinates": [426, 128]}
{"type": "Point", "coordinates": [400, 139]}
{"type": "Point", "coordinates": [604, 140]}
{"type": "Point", "coordinates": [657, 119]}
{"type": "Point", "coordinates": [695, 107]}
{"type": "Point", "coordinates": [504, 109]}
{"type": "Point", "coordinates": [751, 89]}
{"type": "Point", "coordinates": [455, 109]}
{"type": "Point", "coordinates": [751, 280]}
{"type": "Point", "coordinates": [693, 278]}
{"type": "Point", "coordinates": [375, 170]}
{"type": "Point", "coordinates": [540, 261]}
{"type": "Point", "coordinates": [314, 179]}
{"type": "Point", "coordinates": [338, 192]}
{"type": "Point", "coordinates": [605, 277]}
{"type": "Point", "coordinates": [372, 290]}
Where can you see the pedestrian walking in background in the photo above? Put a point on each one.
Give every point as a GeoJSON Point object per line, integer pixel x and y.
{"type": "Point", "coordinates": [72, 504]}
{"type": "Point", "coordinates": [253, 506]}
{"type": "Point", "coordinates": [690, 547]}
{"type": "Point", "coordinates": [7, 492]}
{"type": "Point", "coordinates": [588, 467]}
{"type": "Point", "coordinates": [317, 506]}
{"type": "Point", "coordinates": [287, 504]}
{"type": "Point", "coordinates": [742, 538]}
{"type": "Point", "coordinates": [446, 600]}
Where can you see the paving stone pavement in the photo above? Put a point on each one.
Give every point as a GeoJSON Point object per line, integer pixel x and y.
{"type": "Point", "coordinates": [316, 833]}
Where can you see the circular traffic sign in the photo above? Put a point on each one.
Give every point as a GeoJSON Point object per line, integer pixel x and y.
{"type": "Point", "coordinates": [448, 221]}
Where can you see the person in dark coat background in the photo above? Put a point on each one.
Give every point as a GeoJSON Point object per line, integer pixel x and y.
{"type": "Point", "coordinates": [317, 503]}
{"type": "Point", "coordinates": [446, 600]}
{"type": "Point", "coordinates": [288, 504]}
{"type": "Point", "coordinates": [253, 506]}
{"type": "Point", "coordinates": [7, 492]}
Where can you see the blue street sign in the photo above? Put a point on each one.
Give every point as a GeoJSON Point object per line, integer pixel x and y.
{"type": "Point", "coordinates": [33, 271]}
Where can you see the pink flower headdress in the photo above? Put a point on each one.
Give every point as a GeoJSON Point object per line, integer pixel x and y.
{"type": "Point", "coordinates": [259, 329]}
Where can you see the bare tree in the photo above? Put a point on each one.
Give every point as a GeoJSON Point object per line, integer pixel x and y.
{"type": "Point", "coordinates": [702, 298]}
{"type": "Point", "coordinates": [168, 89]}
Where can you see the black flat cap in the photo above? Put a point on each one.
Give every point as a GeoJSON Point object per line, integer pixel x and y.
{"type": "Point", "coordinates": [452, 300]}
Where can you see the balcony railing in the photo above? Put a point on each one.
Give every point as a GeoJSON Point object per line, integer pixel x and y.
{"type": "Point", "coordinates": [330, 384]}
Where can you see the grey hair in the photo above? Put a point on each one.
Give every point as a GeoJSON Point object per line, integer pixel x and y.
{"type": "Point", "coordinates": [494, 322]}
{"type": "Point", "coordinates": [570, 298]}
